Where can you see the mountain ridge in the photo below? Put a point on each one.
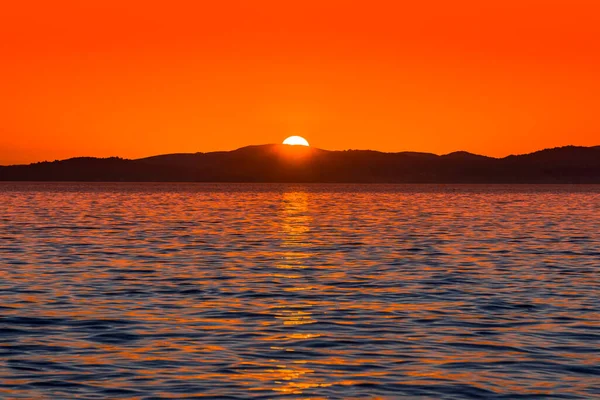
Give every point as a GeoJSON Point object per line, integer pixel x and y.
{"type": "Point", "coordinates": [281, 163]}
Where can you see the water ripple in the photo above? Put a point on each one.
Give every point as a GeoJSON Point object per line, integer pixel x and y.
{"type": "Point", "coordinates": [156, 291]}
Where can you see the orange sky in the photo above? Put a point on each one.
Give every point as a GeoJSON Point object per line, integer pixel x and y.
{"type": "Point", "coordinates": [137, 78]}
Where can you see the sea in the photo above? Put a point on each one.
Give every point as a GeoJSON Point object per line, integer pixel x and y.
{"type": "Point", "coordinates": [266, 291]}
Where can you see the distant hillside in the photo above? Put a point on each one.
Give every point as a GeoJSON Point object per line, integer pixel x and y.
{"type": "Point", "coordinates": [280, 163]}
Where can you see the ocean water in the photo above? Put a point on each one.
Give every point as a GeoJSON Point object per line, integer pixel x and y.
{"type": "Point", "coordinates": [173, 291]}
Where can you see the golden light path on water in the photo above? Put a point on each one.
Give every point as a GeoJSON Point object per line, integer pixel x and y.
{"type": "Point", "coordinates": [292, 377]}
{"type": "Point", "coordinates": [298, 291]}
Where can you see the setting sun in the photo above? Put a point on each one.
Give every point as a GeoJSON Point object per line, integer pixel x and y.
{"type": "Point", "coordinates": [296, 141]}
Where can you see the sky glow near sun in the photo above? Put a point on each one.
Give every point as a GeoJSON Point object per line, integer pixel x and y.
{"type": "Point", "coordinates": [188, 76]}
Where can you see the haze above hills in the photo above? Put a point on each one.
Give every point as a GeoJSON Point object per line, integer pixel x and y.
{"type": "Point", "coordinates": [281, 163]}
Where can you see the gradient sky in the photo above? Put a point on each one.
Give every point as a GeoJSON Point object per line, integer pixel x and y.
{"type": "Point", "coordinates": [137, 78]}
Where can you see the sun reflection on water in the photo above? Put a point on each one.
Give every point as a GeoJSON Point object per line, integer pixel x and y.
{"type": "Point", "coordinates": [291, 376]}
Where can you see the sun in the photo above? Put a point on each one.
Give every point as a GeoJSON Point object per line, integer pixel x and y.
{"type": "Point", "coordinates": [296, 141]}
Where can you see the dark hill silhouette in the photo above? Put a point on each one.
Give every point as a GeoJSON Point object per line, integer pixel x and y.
{"type": "Point", "coordinates": [280, 163]}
